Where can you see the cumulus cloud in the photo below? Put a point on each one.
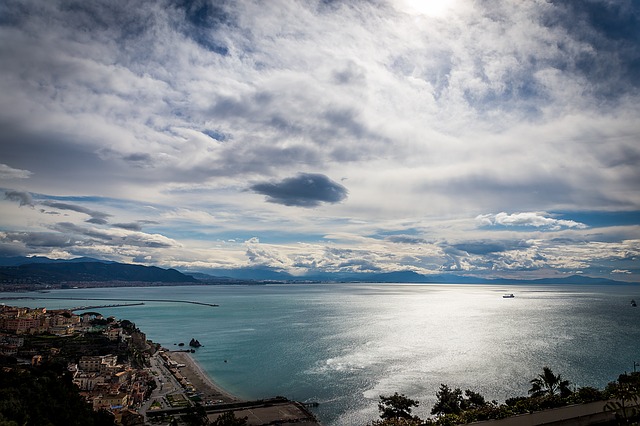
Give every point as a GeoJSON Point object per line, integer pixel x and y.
{"type": "Point", "coordinates": [7, 172]}
{"type": "Point", "coordinates": [527, 219]}
{"type": "Point", "coordinates": [23, 198]}
{"type": "Point", "coordinates": [38, 239]}
{"type": "Point", "coordinates": [303, 190]}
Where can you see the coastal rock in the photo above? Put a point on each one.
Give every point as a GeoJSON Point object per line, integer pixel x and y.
{"type": "Point", "coordinates": [194, 343]}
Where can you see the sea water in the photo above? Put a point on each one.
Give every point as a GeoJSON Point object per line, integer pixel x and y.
{"type": "Point", "coordinates": [344, 345]}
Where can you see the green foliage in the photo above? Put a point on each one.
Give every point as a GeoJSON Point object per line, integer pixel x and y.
{"type": "Point", "coordinates": [453, 402]}
{"type": "Point", "coordinates": [128, 326]}
{"type": "Point", "coordinates": [449, 401]}
{"type": "Point", "coordinates": [626, 398]}
{"type": "Point", "coordinates": [396, 406]}
{"type": "Point", "coordinates": [229, 419]}
{"type": "Point", "coordinates": [548, 384]}
{"type": "Point", "coordinates": [586, 394]}
{"type": "Point", "coordinates": [548, 390]}
{"type": "Point", "coordinates": [397, 422]}
{"type": "Point", "coordinates": [195, 416]}
{"type": "Point", "coordinates": [39, 397]}
{"type": "Point", "coordinates": [472, 400]}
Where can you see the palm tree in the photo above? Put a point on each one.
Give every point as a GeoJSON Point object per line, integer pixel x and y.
{"type": "Point", "coordinates": [548, 384]}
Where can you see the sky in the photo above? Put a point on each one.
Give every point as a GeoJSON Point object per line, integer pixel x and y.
{"type": "Point", "coordinates": [481, 138]}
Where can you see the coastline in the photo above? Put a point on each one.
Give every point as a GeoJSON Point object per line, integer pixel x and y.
{"type": "Point", "coordinates": [201, 381]}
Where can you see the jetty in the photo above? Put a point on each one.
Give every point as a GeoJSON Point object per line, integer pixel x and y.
{"type": "Point", "coordinates": [139, 301]}
{"type": "Point", "coordinates": [114, 305]}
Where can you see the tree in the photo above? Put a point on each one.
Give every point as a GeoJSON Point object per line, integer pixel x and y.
{"type": "Point", "coordinates": [396, 406]}
{"type": "Point", "coordinates": [472, 401]}
{"type": "Point", "coordinates": [229, 419]}
{"type": "Point", "coordinates": [625, 394]}
{"type": "Point", "coordinates": [449, 401]}
{"type": "Point", "coordinates": [196, 416]}
{"type": "Point", "coordinates": [548, 384]}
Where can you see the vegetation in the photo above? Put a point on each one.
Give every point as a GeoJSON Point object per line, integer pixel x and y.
{"type": "Point", "coordinates": [396, 407]}
{"type": "Point", "coordinates": [38, 397]}
{"type": "Point", "coordinates": [548, 390]}
{"type": "Point", "coordinates": [548, 384]}
{"type": "Point", "coordinates": [229, 419]}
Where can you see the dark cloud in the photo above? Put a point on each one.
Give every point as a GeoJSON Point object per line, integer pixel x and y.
{"type": "Point", "coordinates": [405, 239]}
{"type": "Point", "coordinates": [24, 198]}
{"type": "Point", "coordinates": [98, 218]}
{"type": "Point", "coordinates": [132, 226]}
{"type": "Point", "coordinates": [487, 247]}
{"type": "Point", "coordinates": [39, 239]}
{"type": "Point", "coordinates": [303, 190]}
{"type": "Point", "coordinates": [135, 226]}
{"type": "Point", "coordinates": [12, 249]}
{"type": "Point", "coordinates": [70, 228]}
{"type": "Point", "coordinates": [139, 159]}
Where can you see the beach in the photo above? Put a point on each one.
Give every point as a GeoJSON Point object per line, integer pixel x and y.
{"type": "Point", "coordinates": [192, 381]}
{"type": "Point", "coordinates": [192, 372]}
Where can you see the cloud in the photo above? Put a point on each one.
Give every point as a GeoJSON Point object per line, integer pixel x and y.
{"type": "Point", "coordinates": [7, 172]}
{"type": "Point", "coordinates": [303, 190]}
{"type": "Point", "coordinates": [98, 218]}
{"type": "Point", "coordinates": [170, 111]}
{"type": "Point", "coordinates": [528, 219]}
{"type": "Point", "coordinates": [135, 226]}
{"type": "Point", "coordinates": [405, 239]}
{"type": "Point", "coordinates": [24, 198]}
{"type": "Point", "coordinates": [490, 246]}
{"type": "Point", "coordinates": [38, 239]}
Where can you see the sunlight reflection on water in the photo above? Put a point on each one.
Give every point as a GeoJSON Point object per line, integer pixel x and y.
{"type": "Point", "coordinates": [343, 345]}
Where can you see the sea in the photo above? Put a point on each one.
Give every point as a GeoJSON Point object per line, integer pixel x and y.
{"type": "Point", "coordinates": [344, 345]}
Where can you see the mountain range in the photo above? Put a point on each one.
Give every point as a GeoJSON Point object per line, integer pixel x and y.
{"type": "Point", "coordinates": [38, 269]}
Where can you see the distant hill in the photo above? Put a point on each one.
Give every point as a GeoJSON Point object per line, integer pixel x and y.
{"type": "Point", "coordinates": [93, 271]}
{"type": "Point", "coordinates": [265, 274]}
{"type": "Point", "coordinates": [37, 269]}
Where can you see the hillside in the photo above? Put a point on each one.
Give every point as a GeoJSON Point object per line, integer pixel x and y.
{"type": "Point", "coordinates": [92, 271]}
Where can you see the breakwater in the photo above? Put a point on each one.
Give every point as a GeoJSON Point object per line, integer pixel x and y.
{"type": "Point", "coordinates": [114, 305]}
{"type": "Point", "coordinates": [140, 301]}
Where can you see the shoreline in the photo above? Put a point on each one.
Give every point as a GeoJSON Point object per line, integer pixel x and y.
{"type": "Point", "coordinates": [199, 379]}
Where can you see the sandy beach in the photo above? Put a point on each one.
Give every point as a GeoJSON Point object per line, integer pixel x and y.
{"type": "Point", "coordinates": [194, 374]}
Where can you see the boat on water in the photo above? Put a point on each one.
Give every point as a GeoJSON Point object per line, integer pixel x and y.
{"type": "Point", "coordinates": [508, 296]}
{"type": "Point", "coordinates": [633, 303]}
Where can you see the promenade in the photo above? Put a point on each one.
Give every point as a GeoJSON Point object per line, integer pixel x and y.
{"type": "Point", "coordinates": [181, 382]}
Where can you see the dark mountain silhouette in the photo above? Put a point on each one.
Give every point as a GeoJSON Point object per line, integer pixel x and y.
{"type": "Point", "coordinates": [37, 269]}
{"type": "Point", "coordinates": [80, 271]}
{"type": "Point", "coordinates": [265, 274]}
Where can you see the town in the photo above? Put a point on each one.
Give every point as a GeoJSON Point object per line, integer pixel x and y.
{"type": "Point", "coordinates": [105, 358]}
{"type": "Point", "coordinates": [122, 376]}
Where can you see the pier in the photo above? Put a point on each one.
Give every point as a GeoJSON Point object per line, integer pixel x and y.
{"type": "Point", "coordinates": [138, 301]}
{"type": "Point", "coordinates": [116, 305]}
